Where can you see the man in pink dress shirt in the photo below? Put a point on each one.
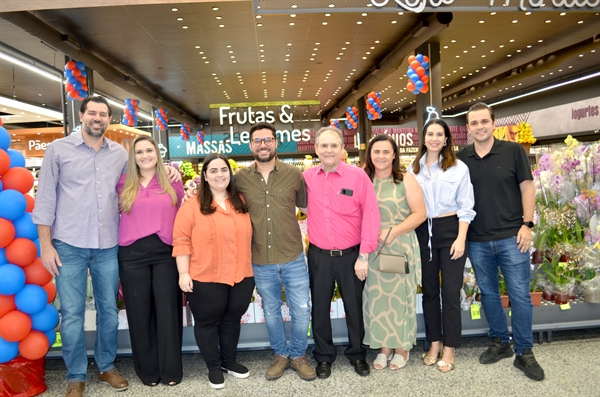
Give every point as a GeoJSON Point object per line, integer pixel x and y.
{"type": "Point", "coordinates": [343, 226]}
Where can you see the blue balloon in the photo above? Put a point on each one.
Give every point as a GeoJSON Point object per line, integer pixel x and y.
{"type": "Point", "coordinates": [419, 84]}
{"type": "Point", "coordinates": [12, 279]}
{"type": "Point", "coordinates": [425, 65]}
{"type": "Point", "coordinates": [4, 139]}
{"type": "Point", "coordinates": [25, 227]}
{"type": "Point", "coordinates": [31, 298]}
{"type": "Point", "coordinates": [3, 260]}
{"type": "Point", "coordinates": [69, 75]}
{"type": "Point", "coordinates": [70, 98]}
{"type": "Point", "coordinates": [128, 101]}
{"type": "Point", "coordinates": [419, 57]}
{"type": "Point", "coordinates": [13, 205]}
{"type": "Point", "coordinates": [349, 109]}
{"type": "Point", "coordinates": [83, 94]}
{"type": "Point", "coordinates": [84, 73]}
{"type": "Point", "coordinates": [410, 72]}
{"type": "Point", "coordinates": [8, 350]}
{"type": "Point", "coordinates": [80, 65]}
{"type": "Point", "coordinates": [416, 91]}
{"type": "Point", "coordinates": [45, 320]}
{"type": "Point", "coordinates": [1, 188]}
{"type": "Point", "coordinates": [77, 85]}
{"type": "Point", "coordinates": [371, 100]}
{"type": "Point", "coordinates": [71, 80]}
{"type": "Point", "coordinates": [414, 78]}
{"type": "Point", "coordinates": [16, 158]}
{"type": "Point", "coordinates": [378, 94]}
{"type": "Point", "coordinates": [51, 335]}
{"type": "Point", "coordinates": [37, 244]}
{"type": "Point", "coordinates": [370, 116]}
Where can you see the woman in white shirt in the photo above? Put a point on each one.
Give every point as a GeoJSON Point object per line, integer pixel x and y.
{"type": "Point", "coordinates": [448, 194]}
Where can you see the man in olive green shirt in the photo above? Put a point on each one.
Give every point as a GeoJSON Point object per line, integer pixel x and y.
{"type": "Point", "coordinates": [273, 190]}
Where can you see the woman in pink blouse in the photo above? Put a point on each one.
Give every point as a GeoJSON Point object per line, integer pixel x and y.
{"type": "Point", "coordinates": [148, 203]}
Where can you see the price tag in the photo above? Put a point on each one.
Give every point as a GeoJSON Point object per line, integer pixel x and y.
{"type": "Point", "coordinates": [58, 341]}
{"type": "Point", "coordinates": [566, 306]}
{"type": "Point", "coordinates": [475, 312]}
{"type": "Point", "coordinates": [309, 328]}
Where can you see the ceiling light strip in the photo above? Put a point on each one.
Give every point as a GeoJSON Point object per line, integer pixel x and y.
{"type": "Point", "coordinates": [28, 66]}
{"type": "Point", "coordinates": [30, 108]}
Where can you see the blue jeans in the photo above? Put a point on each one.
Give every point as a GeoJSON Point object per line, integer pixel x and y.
{"type": "Point", "coordinates": [294, 277]}
{"type": "Point", "coordinates": [71, 286]}
{"type": "Point", "coordinates": [515, 265]}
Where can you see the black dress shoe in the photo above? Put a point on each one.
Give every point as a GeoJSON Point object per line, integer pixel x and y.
{"type": "Point", "coordinates": [361, 367]}
{"type": "Point", "coordinates": [324, 370]}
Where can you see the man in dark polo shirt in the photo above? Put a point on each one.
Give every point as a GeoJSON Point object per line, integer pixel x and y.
{"type": "Point", "coordinates": [273, 190]}
{"type": "Point", "coordinates": [500, 237]}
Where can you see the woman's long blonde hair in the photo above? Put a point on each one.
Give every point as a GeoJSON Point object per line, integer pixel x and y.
{"type": "Point", "coordinates": [132, 177]}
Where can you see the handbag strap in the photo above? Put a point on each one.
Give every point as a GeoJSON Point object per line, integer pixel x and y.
{"type": "Point", "coordinates": [385, 242]}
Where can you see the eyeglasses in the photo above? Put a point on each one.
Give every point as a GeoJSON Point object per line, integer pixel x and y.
{"type": "Point", "coordinates": [258, 141]}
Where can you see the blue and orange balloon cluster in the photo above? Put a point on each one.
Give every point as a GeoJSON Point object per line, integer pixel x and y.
{"type": "Point", "coordinates": [334, 123]}
{"type": "Point", "coordinates": [130, 113]}
{"type": "Point", "coordinates": [352, 118]}
{"type": "Point", "coordinates": [200, 136]}
{"type": "Point", "coordinates": [418, 74]}
{"type": "Point", "coordinates": [374, 106]}
{"type": "Point", "coordinates": [162, 120]}
{"type": "Point", "coordinates": [27, 317]}
{"type": "Point", "coordinates": [185, 131]}
{"type": "Point", "coordinates": [76, 77]}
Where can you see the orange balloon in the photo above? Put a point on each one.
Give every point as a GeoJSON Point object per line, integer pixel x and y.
{"type": "Point", "coordinates": [372, 111]}
{"type": "Point", "coordinates": [34, 346]}
{"type": "Point", "coordinates": [50, 289]}
{"type": "Point", "coordinates": [411, 58]}
{"type": "Point", "coordinates": [30, 203]}
{"type": "Point", "coordinates": [424, 89]}
{"type": "Point", "coordinates": [71, 65]}
{"type": "Point", "coordinates": [18, 178]}
{"type": "Point", "coordinates": [76, 72]}
{"type": "Point", "coordinates": [4, 162]}
{"type": "Point", "coordinates": [425, 79]}
{"type": "Point", "coordinates": [420, 71]}
{"type": "Point", "coordinates": [377, 115]}
{"type": "Point", "coordinates": [7, 232]}
{"type": "Point", "coordinates": [21, 251]}
{"type": "Point", "coordinates": [415, 64]}
{"type": "Point", "coordinates": [425, 58]}
{"type": "Point", "coordinates": [411, 86]}
{"type": "Point", "coordinates": [14, 326]}
{"type": "Point", "coordinates": [7, 304]}
{"type": "Point", "coordinates": [36, 273]}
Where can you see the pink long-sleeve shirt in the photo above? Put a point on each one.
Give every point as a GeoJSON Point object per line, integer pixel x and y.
{"type": "Point", "coordinates": [151, 213]}
{"type": "Point", "coordinates": [342, 208]}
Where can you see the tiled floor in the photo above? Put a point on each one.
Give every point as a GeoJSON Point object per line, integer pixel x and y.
{"type": "Point", "coordinates": [571, 363]}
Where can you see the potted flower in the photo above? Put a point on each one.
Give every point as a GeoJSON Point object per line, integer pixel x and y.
{"type": "Point", "coordinates": [535, 291]}
{"type": "Point", "coordinates": [562, 276]}
{"type": "Point", "coordinates": [525, 136]}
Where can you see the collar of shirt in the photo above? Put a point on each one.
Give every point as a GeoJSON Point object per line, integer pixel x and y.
{"type": "Point", "coordinates": [256, 171]}
{"type": "Point", "coordinates": [78, 140]}
{"type": "Point", "coordinates": [339, 169]}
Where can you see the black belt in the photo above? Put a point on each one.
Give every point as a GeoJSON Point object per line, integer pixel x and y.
{"type": "Point", "coordinates": [334, 252]}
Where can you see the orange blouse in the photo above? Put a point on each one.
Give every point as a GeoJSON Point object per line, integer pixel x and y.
{"type": "Point", "coordinates": [219, 244]}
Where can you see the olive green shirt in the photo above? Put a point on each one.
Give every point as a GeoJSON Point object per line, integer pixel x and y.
{"type": "Point", "coordinates": [276, 237]}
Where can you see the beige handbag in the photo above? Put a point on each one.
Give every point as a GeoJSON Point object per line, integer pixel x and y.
{"type": "Point", "coordinates": [389, 263]}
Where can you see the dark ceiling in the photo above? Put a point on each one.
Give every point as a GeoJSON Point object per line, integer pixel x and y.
{"type": "Point", "coordinates": [190, 61]}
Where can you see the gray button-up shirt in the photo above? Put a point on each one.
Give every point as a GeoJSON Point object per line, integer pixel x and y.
{"type": "Point", "coordinates": [77, 194]}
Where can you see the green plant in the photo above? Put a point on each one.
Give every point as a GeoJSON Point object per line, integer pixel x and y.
{"type": "Point", "coordinates": [560, 273]}
{"type": "Point", "coordinates": [502, 283]}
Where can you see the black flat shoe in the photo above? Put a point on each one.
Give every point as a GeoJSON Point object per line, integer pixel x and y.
{"type": "Point", "coordinates": [323, 370]}
{"type": "Point", "coordinates": [361, 367]}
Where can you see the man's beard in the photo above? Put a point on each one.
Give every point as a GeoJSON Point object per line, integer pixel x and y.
{"type": "Point", "coordinates": [264, 160]}
{"type": "Point", "coordinates": [94, 134]}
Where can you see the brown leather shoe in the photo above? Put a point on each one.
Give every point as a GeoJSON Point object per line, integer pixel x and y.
{"type": "Point", "coordinates": [114, 379]}
{"type": "Point", "coordinates": [280, 364]}
{"type": "Point", "coordinates": [304, 369]}
{"type": "Point", "coordinates": [75, 389]}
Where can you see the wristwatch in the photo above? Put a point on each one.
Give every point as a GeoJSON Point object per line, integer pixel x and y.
{"type": "Point", "coordinates": [363, 257]}
{"type": "Point", "coordinates": [529, 224]}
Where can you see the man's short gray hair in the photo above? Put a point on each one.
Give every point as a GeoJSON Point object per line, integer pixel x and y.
{"type": "Point", "coordinates": [329, 128]}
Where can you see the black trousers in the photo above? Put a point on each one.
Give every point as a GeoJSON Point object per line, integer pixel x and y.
{"type": "Point", "coordinates": [218, 309]}
{"type": "Point", "coordinates": [441, 325]}
{"type": "Point", "coordinates": [152, 296]}
{"type": "Point", "coordinates": [324, 270]}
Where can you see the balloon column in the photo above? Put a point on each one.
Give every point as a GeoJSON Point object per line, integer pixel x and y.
{"type": "Point", "coordinates": [374, 106]}
{"type": "Point", "coordinates": [200, 136]}
{"type": "Point", "coordinates": [130, 113]}
{"type": "Point", "coordinates": [352, 118]}
{"type": "Point", "coordinates": [418, 74]}
{"type": "Point", "coordinates": [76, 77]}
{"type": "Point", "coordinates": [334, 123]}
{"type": "Point", "coordinates": [162, 119]}
{"type": "Point", "coordinates": [27, 319]}
{"type": "Point", "coordinates": [185, 131]}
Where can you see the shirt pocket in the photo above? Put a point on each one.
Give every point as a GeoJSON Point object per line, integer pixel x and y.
{"type": "Point", "coordinates": [445, 193]}
{"type": "Point", "coordinates": [346, 205]}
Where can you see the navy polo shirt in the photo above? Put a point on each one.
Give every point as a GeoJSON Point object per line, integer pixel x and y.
{"type": "Point", "coordinates": [496, 178]}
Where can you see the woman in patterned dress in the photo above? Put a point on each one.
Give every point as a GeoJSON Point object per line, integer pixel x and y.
{"type": "Point", "coordinates": [389, 299]}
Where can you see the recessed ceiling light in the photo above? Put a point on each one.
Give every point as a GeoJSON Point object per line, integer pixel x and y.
{"type": "Point", "coordinates": [579, 22]}
{"type": "Point", "coordinates": [364, 57]}
{"type": "Point", "coordinates": [465, 51]}
{"type": "Point", "coordinates": [364, 14]}
{"type": "Point", "coordinates": [548, 20]}
{"type": "Point", "coordinates": [197, 46]}
{"type": "Point", "coordinates": [483, 56]}
{"type": "Point", "coordinates": [501, 46]}
{"type": "Point", "coordinates": [493, 13]}
{"type": "Point", "coordinates": [445, 46]}
{"type": "Point", "coordinates": [174, 9]}
{"type": "Point", "coordinates": [492, 50]}
{"type": "Point", "coordinates": [458, 56]}
{"type": "Point", "coordinates": [512, 40]}
{"type": "Point", "coordinates": [359, 22]}
{"type": "Point", "coordinates": [327, 15]}
{"type": "Point", "coordinates": [294, 6]}
{"type": "Point", "coordinates": [482, 21]}
{"type": "Point", "coordinates": [518, 50]}
{"type": "Point", "coordinates": [508, 55]}
{"type": "Point", "coordinates": [483, 41]}
{"type": "Point", "coordinates": [201, 52]}
{"type": "Point", "coordinates": [258, 16]}
{"type": "Point", "coordinates": [184, 27]}
{"type": "Point", "coordinates": [180, 19]}
{"type": "Point", "coordinates": [292, 23]}
{"type": "Point", "coordinates": [453, 41]}
{"type": "Point", "coordinates": [393, 22]}
{"type": "Point", "coordinates": [215, 8]}
{"type": "Point", "coordinates": [324, 23]}
{"type": "Point", "coordinates": [515, 20]}
{"type": "Point", "coordinates": [206, 62]}
{"type": "Point", "coordinates": [293, 15]}
{"type": "Point", "coordinates": [221, 26]}
{"type": "Point", "coordinates": [218, 17]}
{"type": "Point", "coordinates": [259, 24]}
{"type": "Point", "coordinates": [331, 5]}
{"type": "Point", "coordinates": [261, 45]}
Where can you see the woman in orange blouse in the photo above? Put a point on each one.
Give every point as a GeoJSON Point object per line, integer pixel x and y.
{"type": "Point", "coordinates": [211, 243]}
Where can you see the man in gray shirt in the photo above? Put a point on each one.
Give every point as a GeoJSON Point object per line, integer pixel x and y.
{"type": "Point", "coordinates": [77, 214]}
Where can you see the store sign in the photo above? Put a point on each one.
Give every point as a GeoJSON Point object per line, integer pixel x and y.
{"type": "Point", "coordinates": [407, 138]}
{"type": "Point", "coordinates": [37, 147]}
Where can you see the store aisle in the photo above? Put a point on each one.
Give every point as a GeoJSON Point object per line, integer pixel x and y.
{"type": "Point", "coordinates": [571, 363]}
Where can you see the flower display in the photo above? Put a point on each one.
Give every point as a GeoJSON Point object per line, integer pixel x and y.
{"type": "Point", "coordinates": [524, 133]}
